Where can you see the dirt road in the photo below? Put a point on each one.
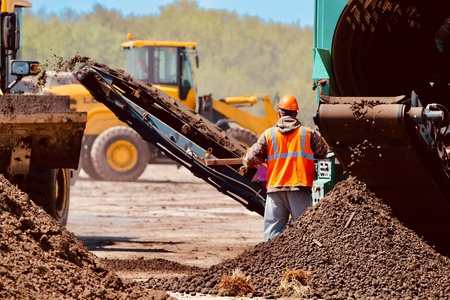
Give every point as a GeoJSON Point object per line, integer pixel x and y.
{"type": "Point", "coordinates": [167, 214]}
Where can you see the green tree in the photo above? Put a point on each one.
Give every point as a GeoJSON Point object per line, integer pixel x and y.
{"type": "Point", "coordinates": [238, 54]}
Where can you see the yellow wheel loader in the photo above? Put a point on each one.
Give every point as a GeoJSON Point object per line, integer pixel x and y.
{"type": "Point", "coordinates": [40, 138]}
{"type": "Point", "coordinates": [111, 152]}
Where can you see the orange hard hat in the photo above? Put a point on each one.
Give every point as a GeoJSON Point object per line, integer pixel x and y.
{"type": "Point", "coordinates": [288, 102]}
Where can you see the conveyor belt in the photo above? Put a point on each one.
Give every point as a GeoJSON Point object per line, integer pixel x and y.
{"type": "Point", "coordinates": [179, 132]}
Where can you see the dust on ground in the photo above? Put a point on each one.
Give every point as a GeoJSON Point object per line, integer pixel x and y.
{"type": "Point", "coordinates": [168, 214]}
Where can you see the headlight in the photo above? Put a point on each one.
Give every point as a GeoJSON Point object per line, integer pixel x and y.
{"type": "Point", "coordinates": [24, 68]}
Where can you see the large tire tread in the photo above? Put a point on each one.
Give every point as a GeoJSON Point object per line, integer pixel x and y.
{"type": "Point", "coordinates": [86, 159]}
{"type": "Point", "coordinates": [245, 136]}
{"type": "Point", "coordinates": [49, 189]}
{"type": "Point", "coordinates": [100, 147]}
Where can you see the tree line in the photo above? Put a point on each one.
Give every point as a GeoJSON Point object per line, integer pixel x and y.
{"type": "Point", "coordinates": [238, 54]}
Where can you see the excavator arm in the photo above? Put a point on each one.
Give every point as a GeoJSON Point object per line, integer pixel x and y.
{"type": "Point", "coordinates": [182, 134]}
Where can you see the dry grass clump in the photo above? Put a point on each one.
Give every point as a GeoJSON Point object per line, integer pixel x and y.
{"type": "Point", "coordinates": [236, 285]}
{"type": "Point", "coordinates": [296, 284]}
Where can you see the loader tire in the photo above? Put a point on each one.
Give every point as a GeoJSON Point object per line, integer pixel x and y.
{"type": "Point", "coordinates": [50, 189]}
{"type": "Point", "coordinates": [86, 159]}
{"type": "Point", "coordinates": [244, 136]}
{"type": "Point", "coordinates": [120, 154]}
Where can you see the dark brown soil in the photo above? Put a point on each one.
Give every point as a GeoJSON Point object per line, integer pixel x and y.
{"type": "Point", "coordinates": [155, 265]}
{"type": "Point", "coordinates": [352, 246]}
{"type": "Point", "coordinates": [33, 104]}
{"type": "Point", "coordinates": [40, 259]}
{"type": "Point", "coordinates": [349, 244]}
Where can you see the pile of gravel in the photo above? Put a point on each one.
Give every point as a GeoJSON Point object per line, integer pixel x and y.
{"type": "Point", "coordinates": [352, 246]}
{"type": "Point", "coordinates": [40, 259]}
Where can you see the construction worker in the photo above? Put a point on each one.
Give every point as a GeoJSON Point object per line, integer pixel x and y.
{"type": "Point", "coordinates": [289, 149]}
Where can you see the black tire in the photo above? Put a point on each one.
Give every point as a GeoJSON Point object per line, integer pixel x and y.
{"type": "Point", "coordinates": [244, 136]}
{"type": "Point", "coordinates": [50, 189]}
{"type": "Point", "coordinates": [120, 154]}
{"type": "Point", "coordinates": [86, 159]}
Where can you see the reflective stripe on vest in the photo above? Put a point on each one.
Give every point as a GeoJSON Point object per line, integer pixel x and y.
{"type": "Point", "coordinates": [290, 160]}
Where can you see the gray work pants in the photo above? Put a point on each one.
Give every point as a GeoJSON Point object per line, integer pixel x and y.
{"type": "Point", "coordinates": [280, 206]}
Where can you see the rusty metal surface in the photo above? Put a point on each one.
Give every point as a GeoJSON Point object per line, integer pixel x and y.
{"type": "Point", "coordinates": [383, 48]}
{"type": "Point", "coordinates": [387, 47]}
{"type": "Point", "coordinates": [369, 146]}
{"type": "Point", "coordinates": [43, 124]}
{"type": "Point", "coordinates": [375, 143]}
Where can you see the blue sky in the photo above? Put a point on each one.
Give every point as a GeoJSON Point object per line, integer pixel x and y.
{"type": "Point", "coordinates": [285, 11]}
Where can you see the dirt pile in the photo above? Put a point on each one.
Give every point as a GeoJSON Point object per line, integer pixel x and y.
{"type": "Point", "coordinates": [157, 265]}
{"type": "Point", "coordinates": [350, 244]}
{"type": "Point", "coordinates": [40, 259]}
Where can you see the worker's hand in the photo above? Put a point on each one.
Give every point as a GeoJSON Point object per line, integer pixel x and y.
{"type": "Point", "coordinates": [244, 162]}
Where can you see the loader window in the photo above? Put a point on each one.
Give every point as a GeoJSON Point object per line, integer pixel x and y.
{"type": "Point", "coordinates": [156, 65]}
{"type": "Point", "coordinates": [187, 80]}
{"type": "Point", "coordinates": [137, 63]}
{"type": "Point", "coordinates": [165, 60]}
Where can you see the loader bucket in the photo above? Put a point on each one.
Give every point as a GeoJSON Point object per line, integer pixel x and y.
{"type": "Point", "coordinates": [39, 131]}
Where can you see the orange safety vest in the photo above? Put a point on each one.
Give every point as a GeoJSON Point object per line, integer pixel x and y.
{"type": "Point", "coordinates": [290, 160]}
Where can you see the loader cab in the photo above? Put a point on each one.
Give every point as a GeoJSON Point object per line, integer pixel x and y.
{"type": "Point", "coordinates": [11, 25]}
{"type": "Point", "coordinates": [167, 65]}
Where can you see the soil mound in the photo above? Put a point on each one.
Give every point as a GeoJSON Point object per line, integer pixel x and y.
{"type": "Point", "coordinates": [158, 265]}
{"type": "Point", "coordinates": [351, 247]}
{"type": "Point", "coordinates": [40, 259]}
